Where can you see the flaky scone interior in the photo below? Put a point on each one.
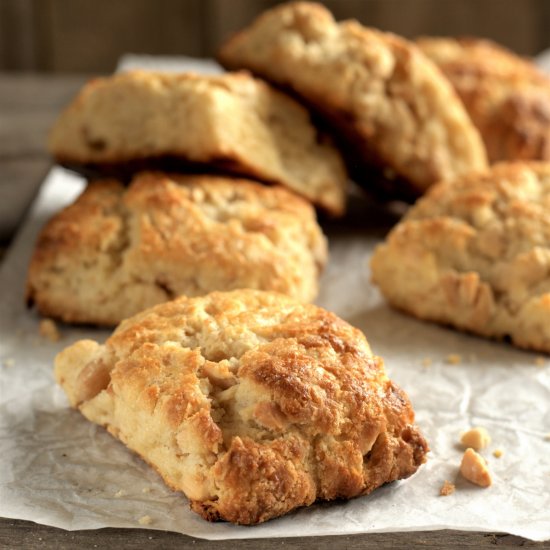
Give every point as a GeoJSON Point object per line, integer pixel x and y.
{"type": "Point", "coordinates": [249, 402]}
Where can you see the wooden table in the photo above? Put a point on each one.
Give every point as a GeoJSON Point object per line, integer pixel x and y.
{"type": "Point", "coordinates": [28, 106]}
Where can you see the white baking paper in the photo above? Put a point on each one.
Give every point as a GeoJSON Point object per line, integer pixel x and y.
{"type": "Point", "coordinates": [60, 470]}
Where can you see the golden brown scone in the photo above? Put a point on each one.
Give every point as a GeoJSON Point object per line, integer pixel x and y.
{"type": "Point", "coordinates": [249, 402]}
{"type": "Point", "coordinates": [507, 97]}
{"type": "Point", "coordinates": [394, 111]}
{"type": "Point", "coordinates": [474, 253]}
{"type": "Point", "coordinates": [117, 250]}
{"type": "Point", "coordinates": [232, 122]}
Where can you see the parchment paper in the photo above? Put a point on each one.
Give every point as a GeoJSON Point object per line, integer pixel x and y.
{"type": "Point", "coordinates": [60, 470]}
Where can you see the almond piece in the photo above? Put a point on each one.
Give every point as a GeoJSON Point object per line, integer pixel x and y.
{"type": "Point", "coordinates": [474, 468]}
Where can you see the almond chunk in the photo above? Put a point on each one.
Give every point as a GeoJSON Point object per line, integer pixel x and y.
{"type": "Point", "coordinates": [474, 468]}
{"type": "Point", "coordinates": [476, 438]}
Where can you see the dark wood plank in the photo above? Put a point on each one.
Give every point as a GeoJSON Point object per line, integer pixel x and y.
{"type": "Point", "coordinates": [28, 107]}
{"type": "Point", "coordinates": [82, 36]}
{"type": "Point", "coordinates": [521, 25]}
{"type": "Point", "coordinates": [24, 534]}
{"type": "Point", "coordinates": [17, 36]}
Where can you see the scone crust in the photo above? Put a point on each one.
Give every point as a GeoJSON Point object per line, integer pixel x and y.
{"type": "Point", "coordinates": [249, 402]}
{"type": "Point", "coordinates": [390, 104]}
{"type": "Point", "coordinates": [474, 253]}
{"type": "Point", "coordinates": [507, 96]}
{"type": "Point", "coordinates": [233, 123]}
{"type": "Point", "coordinates": [117, 250]}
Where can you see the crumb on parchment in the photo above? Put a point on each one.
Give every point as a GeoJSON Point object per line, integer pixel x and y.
{"type": "Point", "coordinates": [146, 490]}
{"type": "Point", "coordinates": [145, 520]}
{"type": "Point", "coordinates": [120, 493]}
{"type": "Point", "coordinates": [427, 362]}
{"type": "Point", "coordinates": [547, 437]}
{"type": "Point", "coordinates": [474, 468]}
{"type": "Point", "coordinates": [477, 438]}
{"type": "Point", "coordinates": [447, 489]}
{"type": "Point", "coordinates": [497, 453]}
{"type": "Point", "coordinates": [540, 361]}
{"type": "Point", "coordinates": [9, 362]}
{"type": "Point", "coordinates": [48, 329]}
{"type": "Point", "coordinates": [454, 359]}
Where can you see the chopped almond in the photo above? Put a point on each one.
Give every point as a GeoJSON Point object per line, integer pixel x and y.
{"type": "Point", "coordinates": [474, 468]}
{"type": "Point", "coordinates": [447, 489]}
{"type": "Point", "coordinates": [476, 438]}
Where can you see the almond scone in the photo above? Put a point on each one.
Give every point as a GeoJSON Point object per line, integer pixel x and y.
{"type": "Point", "coordinates": [474, 253]}
{"type": "Point", "coordinates": [507, 97]}
{"type": "Point", "coordinates": [399, 120]}
{"type": "Point", "coordinates": [249, 402]}
{"type": "Point", "coordinates": [118, 250]}
{"type": "Point", "coordinates": [232, 123]}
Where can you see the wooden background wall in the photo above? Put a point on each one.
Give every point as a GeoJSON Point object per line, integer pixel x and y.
{"type": "Point", "coordinates": [89, 35]}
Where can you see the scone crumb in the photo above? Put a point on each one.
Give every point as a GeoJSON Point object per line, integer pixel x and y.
{"type": "Point", "coordinates": [540, 361]}
{"type": "Point", "coordinates": [145, 520]}
{"type": "Point", "coordinates": [447, 489]}
{"type": "Point", "coordinates": [547, 437]}
{"type": "Point", "coordinates": [497, 453]}
{"type": "Point", "coordinates": [454, 359]}
{"type": "Point", "coordinates": [120, 493]}
{"type": "Point", "coordinates": [474, 468]}
{"type": "Point", "coordinates": [48, 329]}
{"type": "Point", "coordinates": [427, 362]}
{"type": "Point", "coordinates": [9, 362]}
{"type": "Point", "coordinates": [146, 490]}
{"type": "Point", "coordinates": [476, 438]}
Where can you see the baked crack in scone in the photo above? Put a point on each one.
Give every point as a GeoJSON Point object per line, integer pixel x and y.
{"type": "Point", "coordinates": [507, 97]}
{"type": "Point", "coordinates": [117, 250]}
{"type": "Point", "coordinates": [233, 123]}
{"type": "Point", "coordinates": [395, 113]}
{"type": "Point", "coordinates": [474, 253]}
{"type": "Point", "coordinates": [250, 403]}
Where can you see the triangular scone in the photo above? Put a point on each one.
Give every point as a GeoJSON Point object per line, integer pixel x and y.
{"type": "Point", "coordinates": [249, 402]}
{"type": "Point", "coordinates": [119, 250]}
{"type": "Point", "coordinates": [507, 96]}
{"type": "Point", "coordinates": [395, 113]}
{"type": "Point", "coordinates": [232, 123]}
{"type": "Point", "coordinates": [474, 253]}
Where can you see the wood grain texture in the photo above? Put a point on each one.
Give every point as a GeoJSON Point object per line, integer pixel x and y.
{"type": "Point", "coordinates": [23, 162]}
{"type": "Point", "coordinates": [28, 107]}
{"type": "Point", "coordinates": [522, 25]}
{"type": "Point", "coordinates": [24, 534]}
{"type": "Point", "coordinates": [86, 35]}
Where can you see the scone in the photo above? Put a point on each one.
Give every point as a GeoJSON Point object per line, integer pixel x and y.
{"type": "Point", "coordinates": [233, 123]}
{"type": "Point", "coordinates": [117, 250]}
{"type": "Point", "coordinates": [398, 118]}
{"type": "Point", "coordinates": [507, 97]}
{"type": "Point", "coordinates": [249, 402]}
{"type": "Point", "coordinates": [474, 253]}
